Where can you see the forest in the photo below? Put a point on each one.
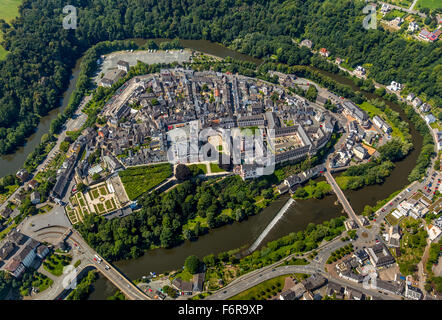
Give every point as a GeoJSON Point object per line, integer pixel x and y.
{"type": "Point", "coordinates": [183, 213]}
{"type": "Point", "coordinates": [36, 72]}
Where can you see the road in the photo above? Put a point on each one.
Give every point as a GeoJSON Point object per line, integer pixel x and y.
{"type": "Point", "coordinates": [86, 254]}
{"type": "Point", "coordinates": [407, 10]}
{"type": "Point", "coordinates": [342, 198]}
{"type": "Point", "coordinates": [75, 123]}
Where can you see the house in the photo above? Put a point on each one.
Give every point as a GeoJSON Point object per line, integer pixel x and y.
{"type": "Point", "coordinates": [360, 71]}
{"type": "Point", "coordinates": [335, 289]}
{"type": "Point", "coordinates": [293, 293]}
{"type": "Point", "coordinates": [314, 282]}
{"type": "Point", "coordinates": [338, 61]}
{"type": "Point", "coordinates": [381, 124]}
{"type": "Point", "coordinates": [17, 237]}
{"type": "Point", "coordinates": [15, 268]}
{"type": "Point", "coordinates": [433, 232]}
{"type": "Point", "coordinates": [198, 282]}
{"type": "Point", "coordinates": [413, 26]}
{"type": "Point", "coordinates": [6, 212]}
{"type": "Point", "coordinates": [23, 175]}
{"type": "Point", "coordinates": [360, 152]}
{"type": "Point", "coordinates": [35, 197]}
{"type": "Point", "coordinates": [388, 287]}
{"type": "Point", "coordinates": [306, 43]}
{"type": "Point", "coordinates": [395, 86]}
{"type": "Point", "coordinates": [410, 97]}
{"type": "Point", "coordinates": [33, 184]}
{"type": "Point", "coordinates": [111, 77]}
{"type": "Point", "coordinates": [416, 102]}
{"type": "Point", "coordinates": [412, 292]}
{"type": "Point", "coordinates": [356, 295]}
{"type": "Point", "coordinates": [430, 118]}
{"type": "Point", "coordinates": [248, 171]}
{"type": "Point", "coordinates": [385, 8]}
{"type": "Point", "coordinates": [6, 250]}
{"type": "Point", "coordinates": [123, 65]}
{"type": "Point", "coordinates": [324, 52]}
{"type": "Point", "coordinates": [186, 287]}
{"type": "Point", "coordinates": [425, 107]}
{"type": "Point", "coordinates": [353, 110]}
{"type": "Point", "coordinates": [42, 251]}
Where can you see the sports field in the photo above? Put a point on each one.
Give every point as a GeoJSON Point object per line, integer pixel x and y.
{"type": "Point", "coordinates": [8, 11]}
{"type": "Point", "coordinates": [430, 4]}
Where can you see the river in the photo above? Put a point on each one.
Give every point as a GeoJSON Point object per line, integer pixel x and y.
{"type": "Point", "coordinates": [235, 235]}
{"type": "Point", "coordinates": [11, 163]}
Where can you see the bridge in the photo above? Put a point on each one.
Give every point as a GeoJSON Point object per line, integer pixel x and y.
{"type": "Point", "coordinates": [115, 276]}
{"type": "Point", "coordinates": [342, 198]}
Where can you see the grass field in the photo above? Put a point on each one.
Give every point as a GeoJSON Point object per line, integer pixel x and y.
{"type": "Point", "coordinates": [430, 4]}
{"type": "Point", "coordinates": [8, 11]}
{"type": "Point", "coordinates": [262, 291]}
{"type": "Point", "coordinates": [139, 180]}
{"type": "Point", "coordinates": [215, 168]}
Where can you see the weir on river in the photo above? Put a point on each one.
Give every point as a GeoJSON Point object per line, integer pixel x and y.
{"type": "Point", "coordinates": [271, 225]}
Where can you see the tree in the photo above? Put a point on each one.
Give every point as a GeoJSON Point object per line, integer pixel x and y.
{"type": "Point", "coordinates": [182, 172]}
{"type": "Point", "coordinates": [64, 146]}
{"type": "Point", "coordinates": [209, 260]}
{"type": "Point", "coordinates": [96, 176]}
{"type": "Point", "coordinates": [192, 264]}
{"type": "Point", "coordinates": [311, 93]}
{"type": "Point", "coordinates": [81, 187]}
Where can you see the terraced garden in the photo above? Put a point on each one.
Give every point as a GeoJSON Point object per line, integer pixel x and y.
{"type": "Point", "coordinates": [139, 180]}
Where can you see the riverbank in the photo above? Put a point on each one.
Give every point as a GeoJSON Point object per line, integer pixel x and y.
{"type": "Point", "coordinates": [161, 260]}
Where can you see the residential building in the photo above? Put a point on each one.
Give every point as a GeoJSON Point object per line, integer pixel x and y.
{"type": "Point", "coordinates": [380, 256]}
{"type": "Point", "coordinates": [324, 52]}
{"type": "Point", "coordinates": [413, 293]}
{"type": "Point", "coordinates": [123, 65]}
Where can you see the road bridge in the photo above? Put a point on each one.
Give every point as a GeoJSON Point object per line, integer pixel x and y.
{"type": "Point", "coordinates": [342, 198]}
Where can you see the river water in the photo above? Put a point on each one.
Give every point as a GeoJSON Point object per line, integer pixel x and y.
{"type": "Point", "coordinates": [235, 235]}
{"type": "Point", "coordinates": [11, 163]}
{"type": "Point", "coordinates": [299, 215]}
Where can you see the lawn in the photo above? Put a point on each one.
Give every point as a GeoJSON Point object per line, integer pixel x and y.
{"type": "Point", "coordinates": [138, 180]}
{"type": "Point", "coordinates": [430, 4]}
{"type": "Point", "coordinates": [370, 109]}
{"type": "Point", "coordinates": [200, 168]}
{"type": "Point", "coordinates": [94, 194]}
{"type": "Point", "coordinates": [215, 168]}
{"type": "Point", "coordinates": [313, 190]}
{"type": "Point", "coordinates": [8, 11]}
{"type": "Point", "coordinates": [262, 291]}
{"type": "Point", "coordinates": [55, 263]}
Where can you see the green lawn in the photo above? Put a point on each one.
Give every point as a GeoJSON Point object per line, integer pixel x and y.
{"type": "Point", "coordinates": [8, 11]}
{"type": "Point", "coordinates": [430, 4]}
{"type": "Point", "coordinates": [201, 168]}
{"type": "Point", "coordinates": [370, 109]}
{"type": "Point", "coordinates": [215, 168]}
{"type": "Point", "coordinates": [262, 291]}
{"type": "Point", "coordinates": [139, 180]}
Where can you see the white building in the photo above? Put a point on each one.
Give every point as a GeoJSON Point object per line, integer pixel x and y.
{"type": "Point", "coordinates": [395, 86]}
